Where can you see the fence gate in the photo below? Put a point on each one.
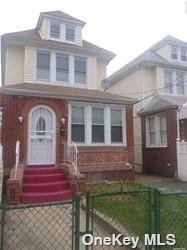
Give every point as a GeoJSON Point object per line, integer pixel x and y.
{"type": "Point", "coordinates": [108, 213]}
{"type": "Point", "coordinates": [40, 226]}
{"type": "Point", "coordinates": [171, 217]}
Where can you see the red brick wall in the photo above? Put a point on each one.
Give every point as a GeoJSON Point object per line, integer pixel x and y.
{"type": "Point", "coordinates": [12, 130]}
{"type": "Point", "coordinates": [162, 161]}
{"type": "Point", "coordinates": [99, 162]}
{"type": "Point", "coordinates": [91, 159]}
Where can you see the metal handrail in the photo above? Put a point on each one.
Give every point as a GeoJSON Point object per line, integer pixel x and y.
{"type": "Point", "coordinates": [70, 154]}
{"type": "Point", "coordinates": [17, 156]}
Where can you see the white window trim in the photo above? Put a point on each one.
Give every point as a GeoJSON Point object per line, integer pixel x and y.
{"type": "Point", "coordinates": [178, 54]}
{"type": "Point", "coordinates": [52, 72]}
{"type": "Point", "coordinates": [107, 124]}
{"type": "Point", "coordinates": [174, 82]}
{"type": "Point", "coordinates": [157, 133]}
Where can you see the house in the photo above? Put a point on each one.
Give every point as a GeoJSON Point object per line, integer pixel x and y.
{"type": "Point", "coordinates": [53, 106]}
{"type": "Point", "coordinates": [158, 79]}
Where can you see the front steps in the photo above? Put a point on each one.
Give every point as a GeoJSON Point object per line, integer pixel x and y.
{"type": "Point", "coordinates": [44, 184]}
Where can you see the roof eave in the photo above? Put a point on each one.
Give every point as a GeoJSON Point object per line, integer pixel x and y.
{"type": "Point", "coordinates": [94, 99]}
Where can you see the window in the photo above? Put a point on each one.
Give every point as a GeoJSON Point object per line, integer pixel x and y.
{"type": "Point", "coordinates": [116, 125]}
{"type": "Point", "coordinates": [174, 52]}
{"type": "Point", "coordinates": [92, 124]}
{"type": "Point", "coordinates": [70, 32]}
{"type": "Point", "coordinates": [156, 131]}
{"type": "Point", "coordinates": [55, 29]}
{"type": "Point", "coordinates": [41, 126]}
{"type": "Point", "coordinates": [77, 124]}
{"type": "Point", "coordinates": [62, 68]}
{"type": "Point", "coordinates": [43, 65]}
{"type": "Point", "coordinates": [180, 79]}
{"type": "Point", "coordinates": [183, 54]}
{"type": "Point", "coordinates": [168, 81]}
{"type": "Point", "coordinates": [80, 69]}
{"type": "Point", "coordinates": [98, 125]}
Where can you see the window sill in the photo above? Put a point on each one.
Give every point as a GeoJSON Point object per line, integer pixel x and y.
{"type": "Point", "coordinates": [101, 145]}
{"type": "Point", "coordinates": [156, 146]}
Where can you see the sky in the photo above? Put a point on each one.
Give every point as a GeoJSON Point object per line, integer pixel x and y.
{"type": "Point", "coordinates": [125, 27]}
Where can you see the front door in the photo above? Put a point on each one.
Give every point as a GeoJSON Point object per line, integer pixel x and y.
{"type": "Point", "coordinates": [41, 135]}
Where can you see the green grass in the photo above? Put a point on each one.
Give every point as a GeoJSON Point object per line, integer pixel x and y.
{"type": "Point", "coordinates": [129, 210]}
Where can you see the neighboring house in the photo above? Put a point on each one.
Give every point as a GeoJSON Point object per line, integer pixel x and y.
{"type": "Point", "coordinates": [51, 93]}
{"type": "Point", "coordinates": [158, 79]}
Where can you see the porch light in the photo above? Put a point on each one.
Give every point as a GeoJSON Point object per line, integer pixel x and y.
{"type": "Point", "coordinates": [20, 118]}
{"type": "Point", "coordinates": [63, 120]}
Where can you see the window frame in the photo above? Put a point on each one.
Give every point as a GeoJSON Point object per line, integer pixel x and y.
{"type": "Point", "coordinates": [122, 119]}
{"type": "Point", "coordinates": [104, 122]}
{"type": "Point", "coordinates": [47, 53]}
{"type": "Point", "coordinates": [55, 22]}
{"type": "Point", "coordinates": [73, 27]}
{"type": "Point", "coordinates": [68, 72]}
{"type": "Point", "coordinates": [86, 74]}
{"type": "Point", "coordinates": [157, 131]}
{"type": "Point", "coordinates": [88, 124]}
{"type": "Point", "coordinates": [70, 128]}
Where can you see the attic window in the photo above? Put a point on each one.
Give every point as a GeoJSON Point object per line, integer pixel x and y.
{"type": "Point", "coordinates": [174, 52]}
{"type": "Point", "coordinates": [70, 32]}
{"type": "Point", "coordinates": [55, 29]}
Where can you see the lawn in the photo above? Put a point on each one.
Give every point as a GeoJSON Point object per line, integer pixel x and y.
{"type": "Point", "coordinates": [130, 210]}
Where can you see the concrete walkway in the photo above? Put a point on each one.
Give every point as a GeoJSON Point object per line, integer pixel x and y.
{"type": "Point", "coordinates": [162, 183]}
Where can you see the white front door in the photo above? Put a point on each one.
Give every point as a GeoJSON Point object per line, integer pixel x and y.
{"type": "Point", "coordinates": [41, 135]}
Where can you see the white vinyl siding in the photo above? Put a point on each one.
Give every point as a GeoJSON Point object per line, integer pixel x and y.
{"type": "Point", "coordinates": [14, 65]}
{"type": "Point", "coordinates": [156, 131]}
{"type": "Point", "coordinates": [97, 124]}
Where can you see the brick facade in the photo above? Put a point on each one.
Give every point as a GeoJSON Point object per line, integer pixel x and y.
{"type": "Point", "coordinates": [101, 160]}
{"type": "Point", "coordinates": [162, 161]}
{"type": "Point", "coordinates": [14, 107]}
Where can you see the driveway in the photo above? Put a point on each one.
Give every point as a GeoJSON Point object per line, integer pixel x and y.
{"type": "Point", "coordinates": [162, 183]}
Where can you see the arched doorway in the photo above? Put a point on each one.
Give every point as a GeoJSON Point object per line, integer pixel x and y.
{"type": "Point", "coordinates": [41, 136]}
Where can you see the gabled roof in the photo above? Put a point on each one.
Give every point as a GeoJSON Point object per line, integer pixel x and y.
{"type": "Point", "coordinates": [162, 102]}
{"type": "Point", "coordinates": [68, 93]}
{"type": "Point", "coordinates": [59, 15]}
{"type": "Point", "coordinates": [149, 56]}
{"type": "Point", "coordinates": [32, 37]}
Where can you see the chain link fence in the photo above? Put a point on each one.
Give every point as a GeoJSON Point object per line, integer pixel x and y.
{"type": "Point", "coordinates": [172, 218]}
{"type": "Point", "coordinates": [41, 226]}
{"type": "Point", "coordinates": [126, 213]}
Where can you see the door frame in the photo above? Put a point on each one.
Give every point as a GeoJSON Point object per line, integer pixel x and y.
{"type": "Point", "coordinates": [28, 133]}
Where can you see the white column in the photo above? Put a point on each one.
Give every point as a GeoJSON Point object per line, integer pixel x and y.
{"type": "Point", "coordinates": [71, 70]}
{"type": "Point", "coordinates": [107, 125]}
{"type": "Point", "coordinates": [88, 127]}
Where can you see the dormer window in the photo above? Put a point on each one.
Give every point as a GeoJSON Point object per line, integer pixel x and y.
{"type": "Point", "coordinates": [174, 52]}
{"type": "Point", "coordinates": [70, 32]}
{"type": "Point", "coordinates": [55, 29]}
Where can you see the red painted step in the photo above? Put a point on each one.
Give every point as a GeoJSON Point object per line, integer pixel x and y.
{"type": "Point", "coordinates": [44, 184]}
{"type": "Point", "coordinates": [42, 178]}
{"type": "Point", "coordinates": [43, 170]}
{"type": "Point", "coordinates": [46, 197]}
{"type": "Point", "coordinates": [46, 187]}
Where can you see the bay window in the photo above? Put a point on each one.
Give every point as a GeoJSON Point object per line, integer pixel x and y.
{"type": "Point", "coordinates": [78, 124]}
{"type": "Point", "coordinates": [156, 131]}
{"type": "Point", "coordinates": [98, 125]}
{"type": "Point", "coordinates": [116, 126]}
{"type": "Point", "coordinates": [94, 124]}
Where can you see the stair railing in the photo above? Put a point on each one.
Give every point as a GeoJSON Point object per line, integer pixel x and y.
{"type": "Point", "coordinates": [71, 155]}
{"type": "Point", "coordinates": [17, 157]}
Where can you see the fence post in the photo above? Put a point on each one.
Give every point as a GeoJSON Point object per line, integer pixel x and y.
{"type": "Point", "coordinates": [157, 213]}
{"type": "Point", "coordinates": [2, 227]}
{"type": "Point", "coordinates": [77, 221]}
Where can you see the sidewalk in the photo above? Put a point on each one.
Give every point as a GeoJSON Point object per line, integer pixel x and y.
{"type": "Point", "coordinates": [162, 183]}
